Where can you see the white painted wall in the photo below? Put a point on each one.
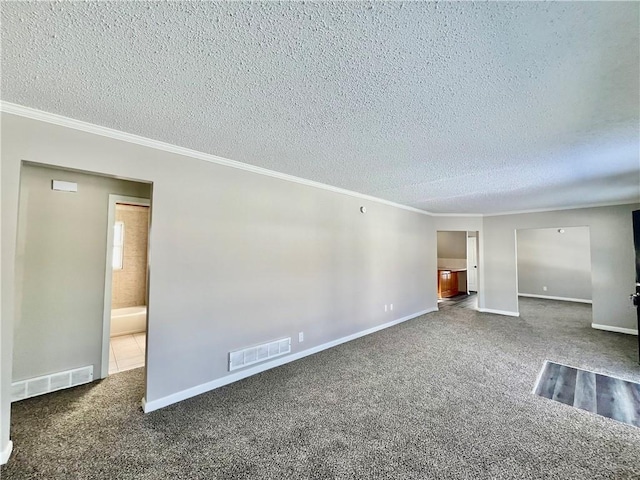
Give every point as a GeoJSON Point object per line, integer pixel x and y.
{"type": "Point", "coordinates": [561, 262]}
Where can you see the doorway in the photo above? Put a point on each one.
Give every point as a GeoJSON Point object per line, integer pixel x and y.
{"type": "Point", "coordinates": [458, 281]}
{"type": "Point", "coordinates": [126, 285]}
{"type": "Point", "coordinates": [554, 263]}
{"type": "Point", "coordinates": [59, 327]}
{"type": "Point", "coordinates": [472, 262]}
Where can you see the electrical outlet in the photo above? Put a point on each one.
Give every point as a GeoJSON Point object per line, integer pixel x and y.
{"type": "Point", "coordinates": [385, 307]}
{"type": "Point", "coordinates": [391, 307]}
{"type": "Point", "coordinates": [301, 337]}
{"type": "Point", "coordinates": [544, 289]}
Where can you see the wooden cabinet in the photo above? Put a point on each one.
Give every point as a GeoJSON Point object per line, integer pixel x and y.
{"type": "Point", "coordinates": [447, 283]}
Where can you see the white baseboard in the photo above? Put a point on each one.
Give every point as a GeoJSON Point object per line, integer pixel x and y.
{"type": "Point", "coordinates": [499, 312]}
{"type": "Point", "coordinates": [549, 297]}
{"type": "Point", "coordinates": [6, 453]}
{"type": "Point", "coordinates": [234, 377]}
{"type": "Point", "coordinates": [628, 331]}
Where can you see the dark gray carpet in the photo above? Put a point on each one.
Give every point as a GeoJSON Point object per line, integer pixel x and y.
{"type": "Point", "coordinates": [447, 395]}
{"type": "Point", "coordinates": [602, 394]}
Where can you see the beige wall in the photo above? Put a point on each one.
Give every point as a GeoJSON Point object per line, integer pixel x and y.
{"type": "Point", "coordinates": [452, 245]}
{"type": "Point", "coordinates": [130, 283]}
{"type": "Point", "coordinates": [60, 270]}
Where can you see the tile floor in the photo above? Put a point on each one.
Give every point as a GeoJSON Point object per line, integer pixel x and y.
{"type": "Point", "coordinates": [462, 300]}
{"type": "Point", "coordinates": [127, 352]}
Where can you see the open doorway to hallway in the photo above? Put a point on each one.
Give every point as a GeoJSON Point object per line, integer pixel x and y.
{"type": "Point", "coordinates": [458, 282]}
{"type": "Point", "coordinates": [59, 328]}
{"type": "Point", "coordinates": [555, 264]}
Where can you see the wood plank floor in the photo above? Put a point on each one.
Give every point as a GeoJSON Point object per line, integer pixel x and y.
{"type": "Point", "coordinates": [607, 396]}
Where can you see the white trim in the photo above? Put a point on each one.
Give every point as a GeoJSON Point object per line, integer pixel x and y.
{"type": "Point", "coordinates": [474, 215]}
{"type": "Point", "coordinates": [515, 258]}
{"type": "Point", "coordinates": [572, 207]}
{"type": "Point", "coordinates": [475, 242]}
{"type": "Point", "coordinates": [34, 114]}
{"type": "Point", "coordinates": [608, 328]}
{"type": "Point", "coordinates": [499, 312]}
{"type": "Point", "coordinates": [549, 297]}
{"type": "Point", "coordinates": [234, 377]}
{"type": "Point", "coordinates": [6, 453]}
{"type": "Point", "coordinates": [28, 112]}
{"type": "Point", "coordinates": [108, 274]}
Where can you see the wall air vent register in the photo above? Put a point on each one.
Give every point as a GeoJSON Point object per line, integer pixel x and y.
{"type": "Point", "coordinates": [259, 353]}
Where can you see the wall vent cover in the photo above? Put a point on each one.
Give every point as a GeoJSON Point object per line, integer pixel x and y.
{"type": "Point", "coordinates": [50, 383]}
{"type": "Point", "coordinates": [258, 353]}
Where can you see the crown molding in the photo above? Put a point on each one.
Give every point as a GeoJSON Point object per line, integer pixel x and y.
{"type": "Point", "coordinates": [573, 207]}
{"type": "Point", "coordinates": [538, 210]}
{"type": "Point", "coordinates": [32, 113]}
{"type": "Point", "coordinates": [473, 215]}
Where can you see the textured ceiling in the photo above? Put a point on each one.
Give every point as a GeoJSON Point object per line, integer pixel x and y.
{"type": "Point", "coordinates": [454, 107]}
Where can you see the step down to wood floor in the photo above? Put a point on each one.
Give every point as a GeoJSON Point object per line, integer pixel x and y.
{"type": "Point", "coordinates": [601, 394]}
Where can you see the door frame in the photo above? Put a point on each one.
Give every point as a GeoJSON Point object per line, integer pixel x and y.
{"type": "Point", "coordinates": [475, 242]}
{"type": "Point", "coordinates": [108, 276]}
{"type": "Point", "coordinates": [517, 236]}
{"type": "Point", "coordinates": [479, 260]}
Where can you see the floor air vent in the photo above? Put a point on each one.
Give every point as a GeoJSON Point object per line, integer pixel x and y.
{"type": "Point", "coordinates": [50, 383]}
{"type": "Point", "coordinates": [259, 353]}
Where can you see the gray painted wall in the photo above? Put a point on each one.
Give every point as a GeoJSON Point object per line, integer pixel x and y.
{"type": "Point", "coordinates": [458, 223]}
{"type": "Point", "coordinates": [612, 257]}
{"type": "Point", "coordinates": [60, 270]}
{"type": "Point", "coordinates": [559, 261]}
{"type": "Point", "coordinates": [236, 258]}
{"type": "Point", "coordinates": [452, 244]}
